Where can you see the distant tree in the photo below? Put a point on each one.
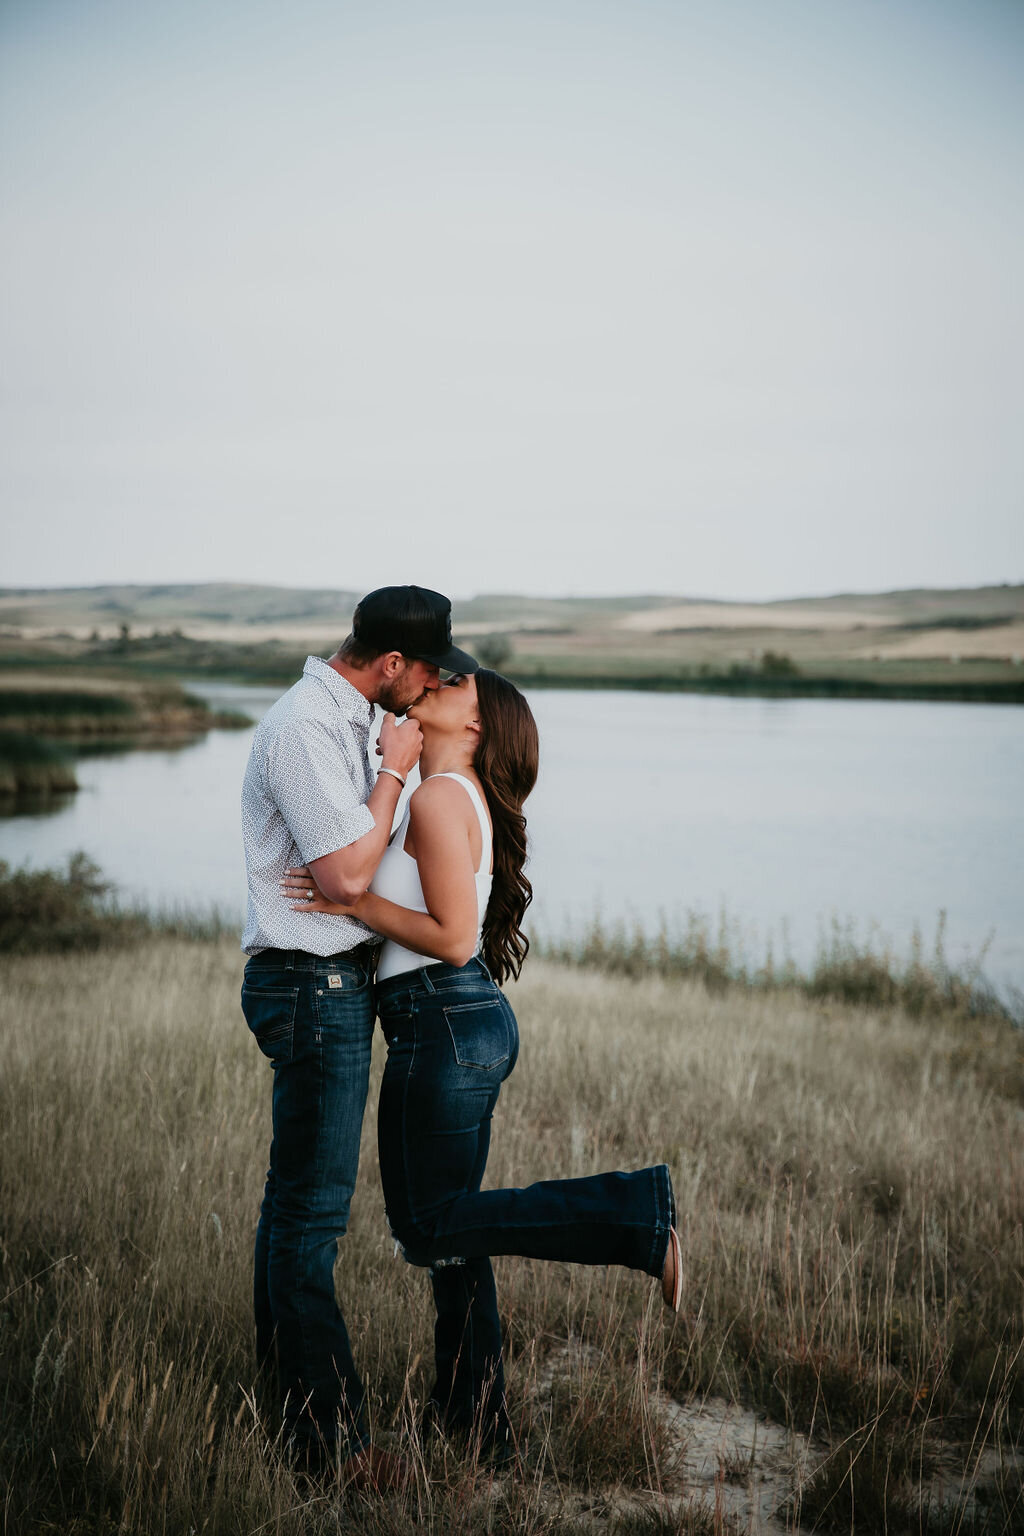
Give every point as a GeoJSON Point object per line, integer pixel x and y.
{"type": "Point", "coordinates": [493, 651]}
{"type": "Point", "coordinates": [778, 664]}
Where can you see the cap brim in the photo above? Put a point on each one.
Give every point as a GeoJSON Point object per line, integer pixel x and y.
{"type": "Point", "coordinates": [452, 660]}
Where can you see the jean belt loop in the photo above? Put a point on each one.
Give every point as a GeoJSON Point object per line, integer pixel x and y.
{"type": "Point", "coordinates": [424, 977]}
{"type": "Point", "coordinates": [289, 959]}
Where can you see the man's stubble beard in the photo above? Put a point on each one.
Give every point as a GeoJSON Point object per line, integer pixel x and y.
{"type": "Point", "coordinates": [396, 699]}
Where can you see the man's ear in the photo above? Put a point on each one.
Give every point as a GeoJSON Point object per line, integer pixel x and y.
{"type": "Point", "coordinates": [391, 664]}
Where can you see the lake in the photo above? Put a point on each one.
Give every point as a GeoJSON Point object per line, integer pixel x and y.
{"type": "Point", "coordinates": [783, 813]}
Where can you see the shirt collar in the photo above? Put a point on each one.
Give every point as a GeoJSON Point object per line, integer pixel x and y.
{"type": "Point", "coordinates": [353, 705]}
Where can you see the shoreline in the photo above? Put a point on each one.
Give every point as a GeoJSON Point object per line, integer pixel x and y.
{"type": "Point", "coordinates": [803, 687]}
{"type": "Point", "coordinates": [281, 670]}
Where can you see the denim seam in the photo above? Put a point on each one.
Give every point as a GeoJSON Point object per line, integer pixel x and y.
{"type": "Point", "coordinates": [660, 1236]}
{"type": "Point", "coordinates": [303, 1249]}
{"type": "Point", "coordinates": [660, 1240]}
{"type": "Point", "coordinates": [319, 1161]}
{"type": "Point", "coordinates": [405, 1100]}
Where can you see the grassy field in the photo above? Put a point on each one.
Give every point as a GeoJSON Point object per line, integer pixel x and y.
{"type": "Point", "coordinates": [851, 1188]}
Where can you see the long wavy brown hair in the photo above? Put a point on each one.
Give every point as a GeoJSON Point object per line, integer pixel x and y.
{"type": "Point", "coordinates": [506, 764]}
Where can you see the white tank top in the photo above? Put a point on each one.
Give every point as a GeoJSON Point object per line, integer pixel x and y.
{"type": "Point", "coordinates": [398, 880]}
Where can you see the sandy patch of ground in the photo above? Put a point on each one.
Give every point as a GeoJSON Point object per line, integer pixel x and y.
{"type": "Point", "coordinates": [998, 643]}
{"type": "Point", "coordinates": [729, 1460]}
{"type": "Point", "coordinates": [747, 1472]}
{"type": "Point", "coordinates": [747, 616]}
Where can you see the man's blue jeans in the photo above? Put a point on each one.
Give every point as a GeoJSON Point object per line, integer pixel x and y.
{"type": "Point", "coordinates": [452, 1040]}
{"type": "Point", "coordinates": [313, 1019]}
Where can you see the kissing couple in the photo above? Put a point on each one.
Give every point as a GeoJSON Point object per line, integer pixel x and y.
{"type": "Point", "coordinates": [347, 923]}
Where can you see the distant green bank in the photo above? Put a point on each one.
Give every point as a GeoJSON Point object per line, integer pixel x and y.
{"type": "Point", "coordinates": [755, 684]}
{"type": "Point", "coordinates": [77, 712]}
{"type": "Point", "coordinates": [152, 662]}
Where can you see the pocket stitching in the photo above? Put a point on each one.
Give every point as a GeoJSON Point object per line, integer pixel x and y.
{"type": "Point", "coordinates": [279, 1031]}
{"type": "Point", "coordinates": [464, 1008]}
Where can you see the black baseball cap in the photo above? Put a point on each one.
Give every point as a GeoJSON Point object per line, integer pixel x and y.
{"type": "Point", "coordinates": [412, 620]}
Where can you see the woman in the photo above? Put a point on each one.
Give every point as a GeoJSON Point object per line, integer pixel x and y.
{"type": "Point", "coordinates": [449, 896]}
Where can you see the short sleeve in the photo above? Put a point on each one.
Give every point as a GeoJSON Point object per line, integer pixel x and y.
{"type": "Point", "coordinates": [315, 787]}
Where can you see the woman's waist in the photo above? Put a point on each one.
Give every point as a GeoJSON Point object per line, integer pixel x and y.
{"type": "Point", "coordinates": [394, 991]}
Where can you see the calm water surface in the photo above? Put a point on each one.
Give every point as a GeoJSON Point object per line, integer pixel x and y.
{"type": "Point", "coordinates": [782, 812]}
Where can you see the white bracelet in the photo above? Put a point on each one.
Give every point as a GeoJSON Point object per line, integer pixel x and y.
{"type": "Point", "coordinates": [394, 774]}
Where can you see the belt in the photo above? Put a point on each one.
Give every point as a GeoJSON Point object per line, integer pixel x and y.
{"type": "Point", "coordinates": [364, 954]}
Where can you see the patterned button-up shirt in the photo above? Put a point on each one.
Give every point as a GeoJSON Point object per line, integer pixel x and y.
{"type": "Point", "coordinates": [304, 796]}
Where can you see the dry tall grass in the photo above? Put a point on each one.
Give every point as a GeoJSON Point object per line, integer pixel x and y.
{"type": "Point", "coordinates": [851, 1186]}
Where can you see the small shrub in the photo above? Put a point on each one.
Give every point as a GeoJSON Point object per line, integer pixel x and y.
{"type": "Point", "coordinates": [778, 664]}
{"type": "Point", "coordinates": [493, 651]}
{"type": "Point", "coordinates": [46, 909]}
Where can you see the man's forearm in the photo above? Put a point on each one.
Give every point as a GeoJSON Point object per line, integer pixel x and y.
{"type": "Point", "coordinates": [344, 875]}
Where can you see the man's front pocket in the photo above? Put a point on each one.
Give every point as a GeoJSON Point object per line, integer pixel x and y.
{"type": "Point", "coordinates": [270, 1014]}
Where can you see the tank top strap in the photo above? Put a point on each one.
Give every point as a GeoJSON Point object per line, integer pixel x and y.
{"type": "Point", "coordinates": [481, 811]}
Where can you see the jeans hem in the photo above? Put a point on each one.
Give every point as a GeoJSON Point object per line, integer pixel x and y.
{"type": "Point", "coordinates": [665, 1218]}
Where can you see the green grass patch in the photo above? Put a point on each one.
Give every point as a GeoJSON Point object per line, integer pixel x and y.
{"type": "Point", "coordinates": [30, 766]}
{"type": "Point", "coordinates": [124, 708]}
{"type": "Point", "coordinates": [29, 703]}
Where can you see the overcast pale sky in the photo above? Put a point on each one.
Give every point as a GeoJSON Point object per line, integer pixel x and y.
{"type": "Point", "coordinates": [719, 298]}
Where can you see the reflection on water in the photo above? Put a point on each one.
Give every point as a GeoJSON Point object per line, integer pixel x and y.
{"type": "Point", "coordinates": [117, 746]}
{"type": "Point", "coordinates": [782, 811]}
{"type": "Point", "coordinates": [30, 803]}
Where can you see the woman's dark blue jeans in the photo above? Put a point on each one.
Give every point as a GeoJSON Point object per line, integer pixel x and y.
{"type": "Point", "coordinates": [452, 1040]}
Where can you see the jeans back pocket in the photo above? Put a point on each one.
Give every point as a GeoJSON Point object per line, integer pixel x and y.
{"type": "Point", "coordinates": [480, 1033]}
{"type": "Point", "coordinates": [270, 1014]}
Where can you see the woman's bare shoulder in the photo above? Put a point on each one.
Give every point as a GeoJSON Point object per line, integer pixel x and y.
{"type": "Point", "coordinates": [439, 796]}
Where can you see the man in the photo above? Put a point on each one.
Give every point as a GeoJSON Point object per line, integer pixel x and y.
{"type": "Point", "coordinates": [309, 797]}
